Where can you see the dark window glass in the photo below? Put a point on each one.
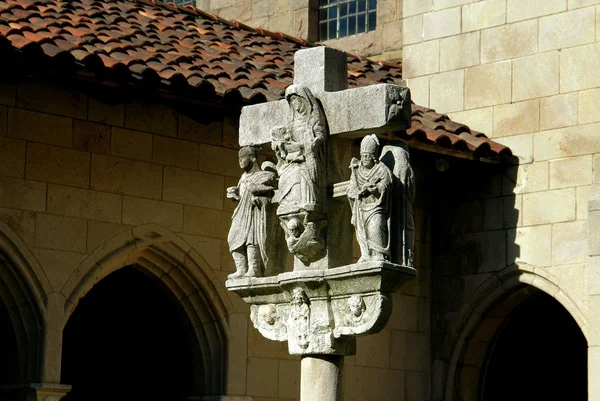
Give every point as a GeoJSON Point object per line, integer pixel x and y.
{"type": "Point", "coordinates": [361, 23]}
{"type": "Point", "coordinates": [339, 18]}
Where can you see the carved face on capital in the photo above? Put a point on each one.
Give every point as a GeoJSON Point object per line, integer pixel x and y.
{"type": "Point", "coordinates": [267, 314]}
{"type": "Point", "coordinates": [299, 297]}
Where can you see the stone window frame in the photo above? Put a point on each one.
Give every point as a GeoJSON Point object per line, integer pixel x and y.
{"type": "Point", "coordinates": [342, 18]}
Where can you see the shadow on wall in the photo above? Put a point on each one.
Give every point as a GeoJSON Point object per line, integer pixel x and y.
{"type": "Point", "coordinates": [475, 215]}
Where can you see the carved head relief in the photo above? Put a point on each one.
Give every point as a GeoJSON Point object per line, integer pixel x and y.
{"type": "Point", "coordinates": [299, 297]}
{"type": "Point", "coordinates": [368, 151]}
{"type": "Point", "coordinates": [294, 227]}
{"type": "Point", "coordinates": [267, 314]}
{"type": "Point", "coordinates": [247, 157]}
{"type": "Point", "coordinates": [356, 305]}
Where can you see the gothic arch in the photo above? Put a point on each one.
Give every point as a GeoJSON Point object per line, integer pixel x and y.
{"type": "Point", "coordinates": [184, 272]}
{"type": "Point", "coordinates": [23, 290]}
{"type": "Point", "coordinates": [485, 310]}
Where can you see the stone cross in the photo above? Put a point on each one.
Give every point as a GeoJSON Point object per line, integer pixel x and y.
{"type": "Point", "coordinates": [326, 301]}
{"type": "Point", "coordinates": [350, 112]}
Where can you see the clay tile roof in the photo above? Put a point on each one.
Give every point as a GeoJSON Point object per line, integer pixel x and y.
{"type": "Point", "coordinates": [190, 51]}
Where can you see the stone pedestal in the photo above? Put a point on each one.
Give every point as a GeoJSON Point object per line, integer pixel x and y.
{"type": "Point", "coordinates": [35, 392]}
{"type": "Point", "coordinates": [321, 378]}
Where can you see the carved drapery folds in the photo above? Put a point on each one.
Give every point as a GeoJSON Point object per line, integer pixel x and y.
{"type": "Point", "coordinates": [325, 302]}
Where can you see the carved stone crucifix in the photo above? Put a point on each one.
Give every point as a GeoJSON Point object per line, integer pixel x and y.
{"type": "Point", "coordinates": [321, 306]}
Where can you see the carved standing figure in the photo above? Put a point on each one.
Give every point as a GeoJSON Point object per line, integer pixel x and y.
{"type": "Point", "coordinates": [299, 323]}
{"type": "Point", "coordinates": [248, 233]}
{"type": "Point", "coordinates": [369, 193]}
{"type": "Point", "coordinates": [300, 149]}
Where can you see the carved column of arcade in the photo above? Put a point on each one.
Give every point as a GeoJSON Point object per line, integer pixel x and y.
{"type": "Point", "coordinates": [326, 301]}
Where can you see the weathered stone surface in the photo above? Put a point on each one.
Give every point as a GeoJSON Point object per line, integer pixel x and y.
{"type": "Point", "coordinates": [588, 106]}
{"type": "Point", "coordinates": [111, 114]}
{"type": "Point", "coordinates": [138, 211]}
{"type": "Point", "coordinates": [575, 65]}
{"type": "Point", "coordinates": [576, 171]}
{"type": "Point", "coordinates": [559, 111]}
{"type": "Point", "coordinates": [61, 233]}
{"type": "Point", "coordinates": [483, 14]}
{"type": "Point", "coordinates": [567, 29]}
{"type": "Point", "coordinates": [39, 127]}
{"type": "Point", "coordinates": [12, 157]}
{"type": "Point", "coordinates": [189, 187]}
{"type": "Point", "coordinates": [52, 99]}
{"type": "Point", "coordinates": [91, 137]}
{"type": "Point", "coordinates": [488, 85]}
{"type": "Point", "coordinates": [439, 24]}
{"type": "Point", "coordinates": [16, 193]}
{"type": "Point", "coordinates": [478, 119]}
{"type": "Point", "coordinates": [125, 176]}
{"type": "Point", "coordinates": [566, 142]}
{"type": "Point", "coordinates": [535, 76]}
{"type": "Point", "coordinates": [509, 41]}
{"type": "Point", "coordinates": [421, 59]}
{"type": "Point", "coordinates": [419, 90]}
{"type": "Point", "coordinates": [151, 117]}
{"type": "Point", "coordinates": [459, 51]}
{"type": "Point", "coordinates": [440, 4]}
{"type": "Point", "coordinates": [175, 152]}
{"type": "Point", "coordinates": [516, 118]}
{"type": "Point", "coordinates": [533, 245]}
{"type": "Point", "coordinates": [131, 144]}
{"type": "Point", "coordinates": [57, 165]}
{"type": "Point", "coordinates": [446, 91]}
{"type": "Point", "coordinates": [83, 203]}
{"type": "Point", "coordinates": [549, 207]}
{"type": "Point", "coordinates": [412, 30]}
{"type": "Point", "coordinates": [569, 243]}
{"type": "Point", "coordinates": [518, 10]}
{"type": "Point", "coordinates": [413, 7]}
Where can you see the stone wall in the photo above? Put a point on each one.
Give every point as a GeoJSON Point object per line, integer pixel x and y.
{"type": "Point", "coordinates": [523, 72]}
{"type": "Point", "coordinates": [75, 172]}
{"type": "Point", "coordinates": [300, 18]}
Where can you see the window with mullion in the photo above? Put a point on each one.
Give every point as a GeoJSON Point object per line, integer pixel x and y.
{"type": "Point", "coordinates": [339, 18]}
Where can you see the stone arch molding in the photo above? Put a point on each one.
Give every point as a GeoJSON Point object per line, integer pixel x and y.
{"type": "Point", "coordinates": [23, 290]}
{"type": "Point", "coordinates": [487, 294]}
{"type": "Point", "coordinates": [184, 272]}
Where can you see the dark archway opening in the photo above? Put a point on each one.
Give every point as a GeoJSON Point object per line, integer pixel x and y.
{"type": "Point", "coordinates": [129, 339]}
{"type": "Point", "coordinates": [538, 354]}
{"type": "Point", "coordinates": [9, 356]}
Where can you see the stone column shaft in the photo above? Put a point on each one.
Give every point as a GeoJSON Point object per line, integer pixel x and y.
{"type": "Point", "coordinates": [321, 378]}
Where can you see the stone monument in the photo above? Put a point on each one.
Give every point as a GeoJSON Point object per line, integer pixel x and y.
{"type": "Point", "coordinates": [317, 194]}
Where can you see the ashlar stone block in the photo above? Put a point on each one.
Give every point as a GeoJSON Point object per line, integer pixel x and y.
{"type": "Point", "coordinates": [12, 157]}
{"type": "Point", "coordinates": [477, 119]}
{"type": "Point", "coordinates": [518, 10]}
{"type": "Point", "coordinates": [91, 137]}
{"type": "Point", "coordinates": [535, 76]}
{"type": "Point", "coordinates": [192, 130]}
{"type": "Point", "coordinates": [509, 41]}
{"type": "Point", "coordinates": [137, 211]}
{"type": "Point", "coordinates": [412, 30]}
{"type": "Point", "coordinates": [446, 93]}
{"type": "Point", "coordinates": [175, 152]}
{"type": "Point", "coordinates": [566, 142]}
{"type": "Point", "coordinates": [571, 172]}
{"type": "Point", "coordinates": [581, 3]}
{"type": "Point", "coordinates": [52, 99]}
{"type": "Point", "coordinates": [459, 51]}
{"type": "Point", "coordinates": [58, 265]}
{"type": "Point", "coordinates": [583, 196]}
{"type": "Point", "coordinates": [516, 118]}
{"type": "Point", "coordinates": [419, 90]}
{"type": "Point", "coordinates": [40, 127]}
{"type": "Point", "coordinates": [531, 178]}
{"type": "Point", "coordinates": [421, 59]}
{"type": "Point", "coordinates": [521, 145]}
{"type": "Point", "coordinates": [151, 117]}
{"type": "Point", "coordinates": [567, 29]}
{"type": "Point", "coordinates": [57, 165]}
{"type": "Point", "coordinates": [8, 94]}
{"type": "Point", "coordinates": [60, 233]}
{"type": "Point", "coordinates": [262, 377]}
{"type": "Point", "coordinates": [190, 187]}
{"type": "Point", "coordinates": [21, 222]}
{"type": "Point", "coordinates": [16, 193]}
{"type": "Point", "coordinates": [488, 85]}
{"type": "Point", "coordinates": [441, 4]}
{"type": "Point", "coordinates": [554, 206]}
{"type": "Point", "coordinates": [439, 24]}
{"type": "Point", "coordinates": [104, 113]}
{"type": "Point", "coordinates": [558, 111]}
{"type": "Point", "coordinates": [126, 176]}
{"type": "Point", "coordinates": [414, 7]}
{"type": "Point", "coordinates": [100, 231]}
{"type": "Point", "coordinates": [374, 350]}
{"type": "Point", "coordinates": [206, 222]}
{"type": "Point", "coordinates": [532, 245]}
{"type": "Point", "coordinates": [569, 242]}
{"type": "Point", "coordinates": [131, 144]}
{"type": "Point", "coordinates": [83, 203]}
{"type": "Point", "coordinates": [483, 14]}
{"type": "Point", "coordinates": [575, 66]}
{"type": "Point", "coordinates": [588, 106]}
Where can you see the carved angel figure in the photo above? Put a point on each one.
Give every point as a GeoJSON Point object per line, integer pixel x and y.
{"type": "Point", "coordinates": [248, 233]}
{"type": "Point", "coordinates": [369, 194]}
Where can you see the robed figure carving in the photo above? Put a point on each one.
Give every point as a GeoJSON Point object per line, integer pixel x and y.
{"type": "Point", "coordinates": [300, 147]}
{"type": "Point", "coordinates": [370, 193]}
{"type": "Point", "coordinates": [250, 221]}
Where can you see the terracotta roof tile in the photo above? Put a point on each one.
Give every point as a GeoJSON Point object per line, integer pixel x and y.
{"type": "Point", "coordinates": [173, 46]}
